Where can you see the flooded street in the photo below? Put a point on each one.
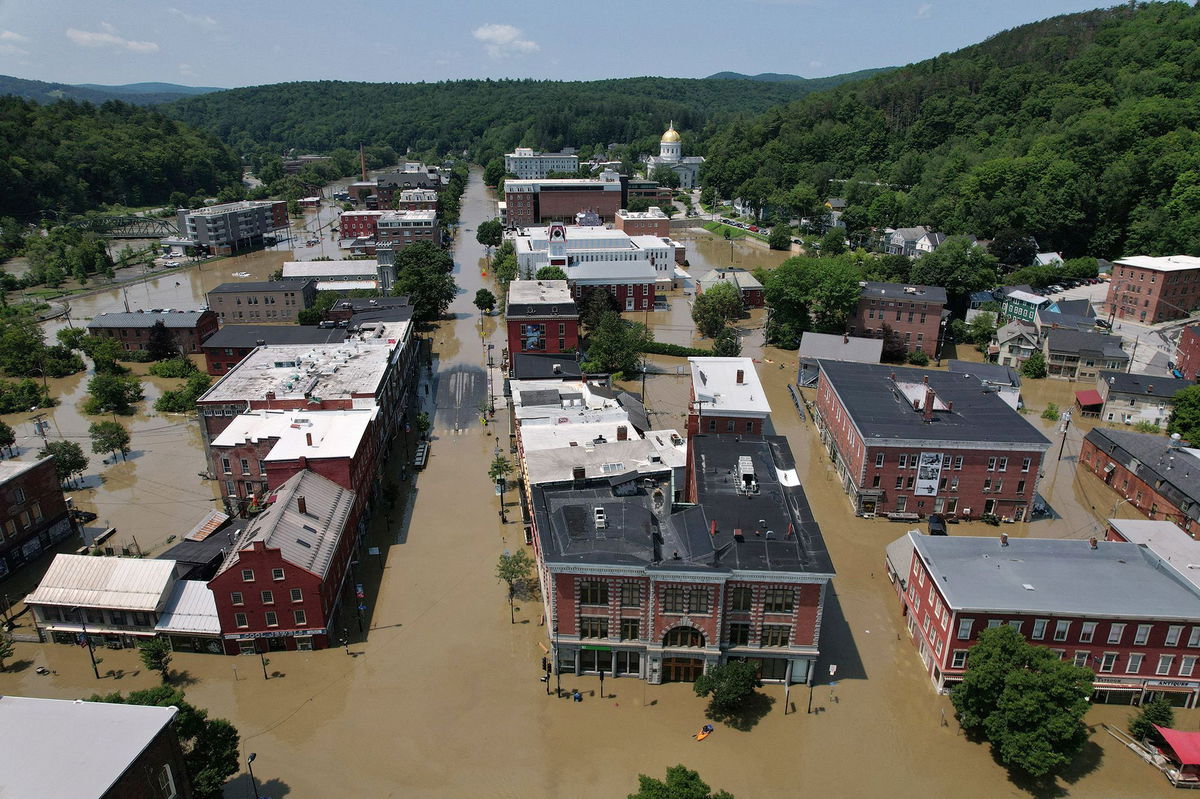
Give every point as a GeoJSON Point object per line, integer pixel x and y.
{"type": "Point", "coordinates": [443, 698]}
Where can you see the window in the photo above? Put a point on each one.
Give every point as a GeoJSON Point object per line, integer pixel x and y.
{"type": "Point", "coordinates": [300, 618]}
{"type": "Point", "coordinates": [1173, 633]}
{"type": "Point", "coordinates": [1134, 664]}
{"type": "Point", "coordinates": [879, 460]}
{"type": "Point", "coordinates": [698, 600]}
{"type": "Point", "coordinates": [1194, 637]}
{"type": "Point", "coordinates": [1039, 629]}
{"type": "Point", "coordinates": [775, 635]}
{"type": "Point", "coordinates": [235, 598]}
{"type": "Point", "coordinates": [166, 782]}
{"type": "Point", "coordinates": [1187, 665]}
{"type": "Point", "coordinates": [631, 595]}
{"type": "Point", "coordinates": [629, 629]}
{"type": "Point", "coordinates": [900, 482]}
{"type": "Point", "coordinates": [297, 596]}
{"type": "Point", "coordinates": [991, 464]}
{"type": "Point", "coordinates": [778, 600]}
{"type": "Point", "coordinates": [1164, 664]}
{"type": "Point", "coordinates": [739, 633]}
{"type": "Point", "coordinates": [1142, 636]}
{"type": "Point", "coordinates": [1061, 628]}
{"type": "Point", "coordinates": [225, 466]}
{"type": "Point", "coordinates": [1020, 487]}
{"type": "Point", "coordinates": [740, 599]}
{"type": "Point", "coordinates": [1081, 659]}
{"type": "Point", "coordinates": [960, 659]}
{"type": "Point", "coordinates": [593, 592]}
{"type": "Point", "coordinates": [958, 461]}
{"type": "Point", "coordinates": [993, 623]}
{"type": "Point", "coordinates": [1025, 464]}
{"type": "Point", "coordinates": [247, 575]}
{"type": "Point", "coordinates": [276, 574]}
{"type": "Point", "coordinates": [904, 461]}
{"type": "Point", "coordinates": [593, 628]}
{"type": "Point", "coordinates": [272, 619]}
{"type": "Point", "coordinates": [953, 486]}
{"type": "Point", "coordinates": [1110, 660]}
{"type": "Point", "coordinates": [1115, 633]}
{"type": "Point", "coordinates": [245, 466]}
{"type": "Point", "coordinates": [901, 504]}
{"type": "Point", "coordinates": [268, 597]}
{"type": "Point", "coordinates": [964, 628]}
{"type": "Point", "coordinates": [1002, 465]}
{"type": "Point", "coordinates": [674, 600]}
{"type": "Point", "coordinates": [239, 620]}
{"type": "Point", "coordinates": [1086, 632]}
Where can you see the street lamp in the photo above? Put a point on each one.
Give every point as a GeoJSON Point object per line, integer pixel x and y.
{"type": "Point", "coordinates": [557, 666]}
{"type": "Point", "coordinates": [254, 782]}
{"type": "Point", "coordinates": [87, 639]}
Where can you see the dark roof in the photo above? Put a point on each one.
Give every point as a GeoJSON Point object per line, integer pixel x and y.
{"type": "Point", "coordinates": [987, 372]}
{"type": "Point", "coordinates": [251, 335]}
{"type": "Point", "coordinates": [540, 366]}
{"type": "Point", "coordinates": [642, 531]}
{"type": "Point", "coordinates": [297, 284]}
{"type": "Point", "coordinates": [1075, 307]}
{"type": "Point", "coordinates": [632, 404]}
{"type": "Point", "coordinates": [1069, 321]}
{"type": "Point", "coordinates": [896, 291]}
{"type": "Point", "coordinates": [1082, 341]}
{"type": "Point", "coordinates": [1144, 385]}
{"type": "Point", "coordinates": [399, 313]}
{"type": "Point", "coordinates": [880, 410]}
{"type": "Point", "coordinates": [1153, 458]}
{"type": "Point", "coordinates": [173, 319]}
{"type": "Point", "coordinates": [358, 304]}
{"type": "Point", "coordinates": [204, 552]}
{"type": "Point", "coordinates": [409, 180]}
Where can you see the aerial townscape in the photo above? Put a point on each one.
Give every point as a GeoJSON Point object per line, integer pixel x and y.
{"type": "Point", "coordinates": [450, 421]}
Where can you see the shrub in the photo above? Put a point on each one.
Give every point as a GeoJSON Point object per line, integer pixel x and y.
{"type": "Point", "coordinates": [174, 367]}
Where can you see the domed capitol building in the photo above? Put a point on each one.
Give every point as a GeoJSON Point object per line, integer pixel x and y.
{"type": "Point", "coordinates": [670, 155]}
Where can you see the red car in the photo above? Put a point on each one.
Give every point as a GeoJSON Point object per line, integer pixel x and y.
{"type": "Point", "coordinates": [753, 228]}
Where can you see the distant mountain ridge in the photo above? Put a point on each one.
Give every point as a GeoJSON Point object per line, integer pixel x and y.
{"type": "Point", "coordinates": [784, 77]}
{"type": "Point", "coordinates": [136, 93]}
{"type": "Point", "coordinates": [151, 88]}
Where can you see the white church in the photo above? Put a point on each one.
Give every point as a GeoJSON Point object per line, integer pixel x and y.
{"type": "Point", "coordinates": [670, 155]}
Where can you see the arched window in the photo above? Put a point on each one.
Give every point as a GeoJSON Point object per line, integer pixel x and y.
{"type": "Point", "coordinates": [684, 636]}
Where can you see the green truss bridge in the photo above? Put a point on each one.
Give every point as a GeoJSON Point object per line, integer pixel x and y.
{"type": "Point", "coordinates": [127, 226]}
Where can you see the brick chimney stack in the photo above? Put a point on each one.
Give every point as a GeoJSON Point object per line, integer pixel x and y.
{"type": "Point", "coordinates": [929, 405]}
{"type": "Point", "coordinates": [301, 505]}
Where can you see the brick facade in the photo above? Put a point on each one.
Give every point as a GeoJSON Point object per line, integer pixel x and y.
{"type": "Point", "coordinates": [548, 334]}
{"type": "Point", "coordinates": [33, 512]}
{"type": "Point", "coordinates": [145, 775]}
{"type": "Point", "coordinates": [1145, 294]}
{"type": "Point", "coordinates": [1131, 489]}
{"type": "Point", "coordinates": [1187, 355]}
{"type": "Point", "coordinates": [917, 321]}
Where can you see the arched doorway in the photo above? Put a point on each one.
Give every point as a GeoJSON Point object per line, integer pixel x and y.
{"type": "Point", "coordinates": [683, 669]}
{"type": "Point", "coordinates": [684, 636]}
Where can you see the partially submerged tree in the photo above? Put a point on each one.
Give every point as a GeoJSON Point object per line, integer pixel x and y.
{"type": "Point", "coordinates": [156, 655]}
{"type": "Point", "coordinates": [109, 436]}
{"type": "Point", "coordinates": [681, 783]}
{"type": "Point", "coordinates": [716, 307]}
{"type": "Point", "coordinates": [728, 687]}
{"type": "Point", "coordinates": [69, 459]}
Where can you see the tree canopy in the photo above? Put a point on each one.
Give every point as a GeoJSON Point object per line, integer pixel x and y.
{"type": "Point", "coordinates": [681, 783]}
{"type": "Point", "coordinates": [716, 307]}
{"type": "Point", "coordinates": [69, 459]}
{"type": "Point", "coordinates": [1185, 416]}
{"type": "Point", "coordinates": [616, 345]}
{"type": "Point", "coordinates": [804, 293]}
{"type": "Point", "coordinates": [728, 687]}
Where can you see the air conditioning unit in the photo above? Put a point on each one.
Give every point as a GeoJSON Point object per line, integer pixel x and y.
{"type": "Point", "coordinates": [987, 490]}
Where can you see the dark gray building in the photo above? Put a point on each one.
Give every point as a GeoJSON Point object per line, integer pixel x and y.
{"type": "Point", "coordinates": [252, 302]}
{"type": "Point", "coordinates": [231, 227]}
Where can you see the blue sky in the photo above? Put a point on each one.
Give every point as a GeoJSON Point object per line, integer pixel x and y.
{"type": "Point", "coordinates": [248, 42]}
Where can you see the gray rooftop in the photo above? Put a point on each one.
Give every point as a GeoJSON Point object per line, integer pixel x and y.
{"type": "Point", "coordinates": [879, 406]}
{"type": "Point", "coordinates": [172, 319]}
{"type": "Point", "coordinates": [1063, 577]}
{"type": "Point", "coordinates": [232, 335]}
{"type": "Point", "coordinates": [1082, 342]}
{"type": "Point", "coordinates": [1153, 457]}
{"type": "Point", "coordinates": [839, 347]}
{"type": "Point", "coordinates": [261, 285]}
{"type": "Point", "coordinates": [1144, 385]}
{"type": "Point", "coordinates": [103, 741]}
{"type": "Point", "coordinates": [900, 291]}
{"type": "Point", "coordinates": [987, 372]}
{"type": "Point", "coordinates": [540, 366]}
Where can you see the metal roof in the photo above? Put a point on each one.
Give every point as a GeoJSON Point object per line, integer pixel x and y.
{"type": "Point", "coordinates": [171, 319]}
{"type": "Point", "coordinates": [103, 740]}
{"type": "Point", "coordinates": [1168, 263]}
{"type": "Point", "coordinates": [1174, 471]}
{"type": "Point", "coordinates": [261, 285]}
{"type": "Point", "coordinates": [190, 610]}
{"type": "Point", "coordinates": [240, 336]}
{"type": "Point", "coordinates": [1165, 539]}
{"type": "Point", "coordinates": [88, 581]}
{"type": "Point", "coordinates": [900, 291]}
{"type": "Point", "coordinates": [741, 279]}
{"type": "Point", "coordinates": [839, 347]}
{"type": "Point", "coordinates": [1079, 342]}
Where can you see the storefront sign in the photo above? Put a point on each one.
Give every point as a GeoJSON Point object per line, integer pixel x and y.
{"type": "Point", "coordinates": [595, 648]}
{"type": "Point", "coordinates": [929, 471]}
{"type": "Point", "coordinates": [271, 634]}
{"type": "Point", "coordinates": [1169, 684]}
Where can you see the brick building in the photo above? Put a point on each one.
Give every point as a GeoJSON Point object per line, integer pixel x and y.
{"type": "Point", "coordinates": [1187, 354]}
{"type": "Point", "coordinates": [541, 316]}
{"type": "Point", "coordinates": [283, 579]}
{"type": "Point", "coordinates": [1154, 474]}
{"type": "Point", "coordinates": [227, 347]}
{"type": "Point", "coordinates": [915, 442]}
{"type": "Point", "coordinates": [358, 224]}
{"type": "Point", "coordinates": [633, 588]}
{"type": "Point", "coordinates": [33, 512]}
{"type": "Point", "coordinates": [538, 201]}
{"type": "Point", "coordinates": [746, 284]}
{"type": "Point", "coordinates": [651, 222]}
{"type": "Point", "coordinates": [915, 312]}
{"type": "Point", "coordinates": [652, 190]}
{"type": "Point", "coordinates": [1149, 289]}
{"type": "Point", "coordinates": [726, 397]}
{"type": "Point", "coordinates": [398, 229]}
{"type": "Point", "coordinates": [232, 227]}
{"type": "Point", "coordinates": [131, 329]}
{"type": "Point", "coordinates": [261, 301]}
{"type": "Point", "coordinates": [1116, 608]}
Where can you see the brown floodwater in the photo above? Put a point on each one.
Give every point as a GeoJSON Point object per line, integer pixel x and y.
{"type": "Point", "coordinates": [443, 698]}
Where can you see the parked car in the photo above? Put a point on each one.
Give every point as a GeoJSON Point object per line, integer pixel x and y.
{"type": "Point", "coordinates": [754, 228]}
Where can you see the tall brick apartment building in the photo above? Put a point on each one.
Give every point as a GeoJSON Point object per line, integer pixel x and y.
{"type": "Point", "coordinates": [1152, 473]}
{"type": "Point", "coordinates": [912, 441]}
{"type": "Point", "coordinates": [915, 312]}
{"type": "Point", "coordinates": [541, 316]}
{"type": "Point", "coordinates": [538, 201]}
{"type": "Point", "coordinates": [1148, 289]}
{"type": "Point", "coordinates": [1187, 353]}
{"type": "Point", "coordinates": [633, 588]}
{"type": "Point", "coordinates": [651, 222]}
{"type": "Point", "coordinates": [33, 512]}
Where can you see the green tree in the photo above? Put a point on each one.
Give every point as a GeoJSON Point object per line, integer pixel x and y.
{"type": "Point", "coordinates": [1035, 367]}
{"type": "Point", "coordinates": [183, 400]}
{"type": "Point", "coordinates": [179, 367]}
{"type": "Point", "coordinates": [8, 437]}
{"type": "Point", "coordinates": [981, 329]}
{"type": "Point", "coordinates": [716, 307]}
{"type": "Point", "coordinates": [490, 233]}
{"type": "Point", "coordinates": [597, 304]}
{"type": "Point", "coordinates": [1155, 712]}
{"type": "Point", "coordinates": [1029, 704]}
{"type": "Point", "coordinates": [515, 570]}
{"type": "Point", "coordinates": [109, 437]}
{"type": "Point", "coordinates": [918, 358]}
{"type": "Point", "coordinates": [728, 688]}
{"type": "Point", "coordinates": [71, 337]}
{"type": "Point", "coordinates": [7, 650]}
{"type": "Point", "coordinates": [681, 783]}
{"type": "Point", "coordinates": [429, 291]}
{"type": "Point", "coordinates": [69, 459]}
{"type": "Point", "coordinates": [551, 273]}
{"type": "Point", "coordinates": [727, 344]}
{"type": "Point", "coordinates": [210, 746]}
{"type": "Point", "coordinates": [104, 353]}
{"type": "Point", "coordinates": [808, 292]}
{"type": "Point", "coordinates": [665, 176]}
{"type": "Point", "coordinates": [112, 393]}
{"type": "Point", "coordinates": [1185, 416]}
{"type": "Point", "coordinates": [894, 349]}
{"type": "Point", "coordinates": [24, 395]}
{"type": "Point", "coordinates": [493, 173]}
{"type": "Point", "coordinates": [485, 301]}
{"type": "Point", "coordinates": [780, 238]}
{"type": "Point", "coordinates": [616, 345]}
{"type": "Point", "coordinates": [1051, 412]}
{"type": "Point", "coordinates": [1013, 247]}
{"type": "Point", "coordinates": [159, 343]}
{"type": "Point", "coordinates": [156, 656]}
{"type": "Point", "coordinates": [958, 265]}
{"type": "Point", "coordinates": [833, 242]}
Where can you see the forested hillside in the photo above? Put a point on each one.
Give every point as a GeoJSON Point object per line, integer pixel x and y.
{"type": "Point", "coordinates": [1081, 130]}
{"type": "Point", "coordinates": [485, 117]}
{"type": "Point", "coordinates": [136, 93]}
{"type": "Point", "coordinates": [72, 156]}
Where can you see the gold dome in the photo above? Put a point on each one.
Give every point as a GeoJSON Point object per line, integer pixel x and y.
{"type": "Point", "coordinates": [671, 135]}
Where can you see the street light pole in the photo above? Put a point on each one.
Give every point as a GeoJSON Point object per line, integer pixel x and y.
{"type": "Point", "coordinates": [250, 768]}
{"type": "Point", "coordinates": [557, 666]}
{"type": "Point", "coordinates": [87, 639]}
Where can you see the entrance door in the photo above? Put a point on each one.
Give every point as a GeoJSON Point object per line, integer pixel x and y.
{"type": "Point", "coordinates": [989, 506]}
{"type": "Point", "coordinates": [682, 669]}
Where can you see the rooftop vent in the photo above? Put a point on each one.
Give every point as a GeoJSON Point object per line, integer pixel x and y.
{"type": "Point", "coordinates": [601, 518]}
{"type": "Point", "coordinates": [747, 484]}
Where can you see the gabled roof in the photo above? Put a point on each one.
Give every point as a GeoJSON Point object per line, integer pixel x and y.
{"type": "Point", "coordinates": [1144, 385]}
{"type": "Point", "coordinates": [1080, 341]}
{"type": "Point", "coordinates": [839, 347]}
{"type": "Point", "coordinates": [96, 582]}
{"type": "Point", "coordinates": [171, 319]}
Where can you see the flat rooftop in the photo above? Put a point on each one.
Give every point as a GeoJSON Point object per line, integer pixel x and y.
{"type": "Point", "coordinates": [653, 212]}
{"type": "Point", "coordinates": [716, 384]}
{"type": "Point", "coordinates": [903, 291]}
{"type": "Point", "coordinates": [332, 269]}
{"type": "Point", "coordinates": [261, 285]}
{"type": "Point", "coordinates": [1165, 539]}
{"type": "Point", "coordinates": [1165, 263]}
{"type": "Point", "coordinates": [234, 335]}
{"type": "Point", "coordinates": [407, 216]}
{"type": "Point", "coordinates": [539, 292]}
{"type": "Point", "coordinates": [1064, 577]}
{"type": "Point", "coordinates": [10, 469]}
{"type": "Point", "coordinates": [597, 460]}
{"type": "Point", "coordinates": [333, 434]}
{"type": "Point", "coordinates": [227, 208]}
{"type": "Point", "coordinates": [879, 400]}
{"type": "Point", "coordinates": [739, 277]}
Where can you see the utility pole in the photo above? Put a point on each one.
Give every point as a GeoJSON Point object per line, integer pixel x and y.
{"type": "Point", "coordinates": [1133, 355]}
{"type": "Point", "coordinates": [1066, 422]}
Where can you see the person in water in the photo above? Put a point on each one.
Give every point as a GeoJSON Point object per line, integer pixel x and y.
{"type": "Point", "coordinates": [706, 728]}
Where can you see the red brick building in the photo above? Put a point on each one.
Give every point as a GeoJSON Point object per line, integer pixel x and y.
{"type": "Point", "coordinates": [915, 312]}
{"type": "Point", "coordinates": [1116, 608]}
{"type": "Point", "coordinates": [739, 576]}
{"type": "Point", "coordinates": [33, 512]}
{"type": "Point", "coordinates": [226, 348]}
{"type": "Point", "coordinates": [1150, 472]}
{"type": "Point", "coordinates": [416, 200]}
{"type": "Point", "coordinates": [726, 397]}
{"type": "Point", "coordinates": [915, 442]}
{"type": "Point", "coordinates": [1148, 289]}
{"type": "Point", "coordinates": [282, 583]}
{"type": "Point", "coordinates": [358, 224]}
{"type": "Point", "coordinates": [746, 284]}
{"type": "Point", "coordinates": [131, 329]}
{"type": "Point", "coordinates": [532, 202]}
{"type": "Point", "coordinates": [651, 222]}
{"type": "Point", "coordinates": [1187, 354]}
{"type": "Point", "coordinates": [541, 317]}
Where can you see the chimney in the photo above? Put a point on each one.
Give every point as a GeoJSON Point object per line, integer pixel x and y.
{"type": "Point", "coordinates": [791, 530]}
{"type": "Point", "coordinates": [929, 405]}
{"type": "Point", "coordinates": [622, 433]}
{"type": "Point", "coordinates": [1094, 544]}
{"type": "Point", "coordinates": [712, 529]}
{"type": "Point", "coordinates": [845, 338]}
{"type": "Point", "coordinates": [270, 395]}
{"type": "Point", "coordinates": [893, 376]}
{"type": "Point", "coordinates": [301, 505]}
{"type": "Point", "coordinates": [1150, 389]}
{"type": "Point", "coordinates": [741, 376]}
{"type": "Point", "coordinates": [1004, 539]}
{"type": "Point", "coordinates": [577, 473]}
{"type": "Point", "coordinates": [925, 379]}
{"type": "Point", "coordinates": [308, 439]}
{"type": "Point", "coordinates": [950, 406]}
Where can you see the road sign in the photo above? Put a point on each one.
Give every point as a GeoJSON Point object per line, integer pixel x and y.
{"type": "Point", "coordinates": [358, 591]}
{"type": "Point", "coordinates": [595, 648]}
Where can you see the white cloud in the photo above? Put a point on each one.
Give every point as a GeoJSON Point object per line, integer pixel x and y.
{"type": "Point", "coordinates": [925, 11]}
{"type": "Point", "coordinates": [816, 64]}
{"type": "Point", "coordinates": [501, 41]}
{"type": "Point", "coordinates": [12, 49]}
{"type": "Point", "coordinates": [109, 38]}
{"type": "Point", "coordinates": [195, 20]}
{"type": "Point", "coordinates": [10, 36]}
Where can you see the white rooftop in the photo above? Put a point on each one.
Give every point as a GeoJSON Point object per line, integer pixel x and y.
{"type": "Point", "coordinates": [612, 272]}
{"type": "Point", "coordinates": [103, 740]}
{"type": "Point", "coordinates": [346, 285]}
{"type": "Point", "coordinates": [97, 582]}
{"type": "Point", "coordinates": [653, 212]}
{"type": "Point", "coordinates": [334, 434]}
{"type": "Point", "coordinates": [10, 468]}
{"type": "Point", "coordinates": [1165, 539]}
{"type": "Point", "coordinates": [575, 430]}
{"type": "Point", "coordinates": [1165, 263]}
{"type": "Point", "coordinates": [539, 291]}
{"type": "Point", "coordinates": [190, 610]}
{"type": "Point", "coordinates": [715, 384]}
{"type": "Point", "coordinates": [346, 269]}
{"type": "Point", "coordinates": [225, 208]}
{"type": "Point", "coordinates": [407, 216]}
{"type": "Point", "coordinates": [1025, 296]}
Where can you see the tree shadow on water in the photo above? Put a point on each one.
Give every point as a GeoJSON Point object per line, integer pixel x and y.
{"type": "Point", "coordinates": [1058, 785]}
{"type": "Point", "coordinates": [753, 710]}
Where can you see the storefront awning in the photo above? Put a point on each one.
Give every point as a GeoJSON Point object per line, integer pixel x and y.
{"type": "Point", "coordinates": [1088, 398]}
{"type": "Point", "coordinates": [1185, 745]}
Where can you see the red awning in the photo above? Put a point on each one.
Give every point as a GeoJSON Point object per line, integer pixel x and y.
{"type": "Point", "coordinates": [1089, 397]}
{"type": "Point", "coordinates": [1185, 745]}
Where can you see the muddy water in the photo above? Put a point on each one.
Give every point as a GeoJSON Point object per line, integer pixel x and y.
{"type": "Point", "coordinates": [443, 699]}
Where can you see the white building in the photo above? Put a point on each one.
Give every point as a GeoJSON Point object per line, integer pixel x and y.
{"type": "Point", "coordinates": [589, 251]}
{"type": "Point", "coordinates": [526, 164]}
{"type": "Point", "coordinates": [670, 155]}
